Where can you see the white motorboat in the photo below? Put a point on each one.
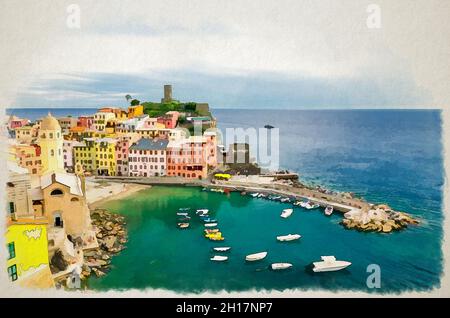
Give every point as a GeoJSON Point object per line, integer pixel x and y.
{"type": "Point", "coordinates": [210, 224]}
{"type": "Point", "coordinates": [284, 200]}
{"type": "Point", "coordinates": [218, 258]}
{"type": "Point", "coordinates": [254, 194]}
{"type": "Point", "coordinates": [286, 213]}
{"type": "Point", "coordinates": [310, 205]}
{"type": "Point", "coordinates": [328, 210]}
{"type": "Point", "coordinates": [256, 256]}
{"type": "Point", "coordinates": [202, 211]}
{"type": "Point", "coordinates": [182, 213]}
{"type": "Point", "coordinates": [278, 266]}
{"type": "Point", "coordinates": [297, 203]}
{"type": "Point", "coordinates": [329, 264]}
{"type": "Point", "coordinates": [222, 249]}
{"type": "Point", "coordinates": [289, 237]}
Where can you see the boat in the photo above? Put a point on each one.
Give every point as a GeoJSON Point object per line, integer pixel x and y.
{"type": "Point", "coordinates": [184, 219]}
{"type": "Point", "coordinates": [213, 234]}
{"type": "Point", "coordinates": [222, 249]}
{"type": "Point", "coordinates": [183, 225]}
{"type": "Point", "coordinates": [276, 198]}
{"type": "Point", "coordinates": [284, 200]}
{"type": "Point", "coordinates": [329, 264]}
{"type": "Point", "coordinates": [268, 126]}
{"type": "Point", "coordinates": [209, 220]}
{"type": "Point", "coordinates": [184, 209]}
{"type": "Point", "coordinates": [182, 213]}
{"type": "Point", "coordinates": [278, 266]}
{"type": "Point", "coordinates": [286, 213]}
{"type": "Point", "coordinates": [256, 256]}
{"type": "Point", "coordinates": [216, 238]}
{"type": "Point", "coordinates": [328, 210]}
{"type": "Point", "coordinates": [312, 206]}
{"type": "Point", "coordinates": [211, 230]}
{"type": "Point", "coordinates": [262, 195]}
{"type": "Point", "coordinates": [254, 194]}
{"type": "Point", "coordinates": [289, 237]}
{"type": "Point", "coordinates": [218, 258]}
{"type": "Point", "coordinates": [217, 190]}
{"type": "Point", "coordinates": [202, 212]}
{"type": "Point", "coordinates": [210, 224]}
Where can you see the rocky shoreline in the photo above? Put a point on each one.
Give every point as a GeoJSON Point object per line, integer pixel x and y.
{"type": "Point", "coordinates": [379, 218]}
{"type": "Point", "coordinates": [111, 235]}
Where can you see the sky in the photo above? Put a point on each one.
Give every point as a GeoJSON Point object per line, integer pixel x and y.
{"type": "Point", "coordinates": [231, 54]}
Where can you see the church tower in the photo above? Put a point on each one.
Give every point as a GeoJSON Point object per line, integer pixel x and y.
{"type": "Point", "coordinates": [51, 143]}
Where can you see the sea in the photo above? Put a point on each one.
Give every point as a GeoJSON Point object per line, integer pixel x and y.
{"type": "Point", "coordinates": [385, 156]}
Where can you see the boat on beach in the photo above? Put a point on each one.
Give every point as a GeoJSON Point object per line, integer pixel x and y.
{"type": "Point", "coordinates": [289, 237]}
{"type": "Point", "coordinates": [222, 249]}
{"type": "Point", "coordinates": [219, 258]}
{"type": "Point", "coordinates": [328, 210]}
{"type": "Point", "coordinates": [210, 224]}
{"type": "Point", "coordinates": [286, 213]}
{"type": "Point", "coordinates": [329, 264]}
{"type": "Point", "coordinates": [279, 266]}
{"type": "Point", "coordinates": [256, 256]}
{"type": "Point", "coordinates": [183, 225]}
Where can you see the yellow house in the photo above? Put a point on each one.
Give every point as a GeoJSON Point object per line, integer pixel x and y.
{"type": "Point", "coordinates": [27, 252]}
{"type": "Point", "coordinates": [105, 156]}
{"type": "Point", "coordinates": [84, 154]}
{"type": "Point", "coordinates": [135, 111]}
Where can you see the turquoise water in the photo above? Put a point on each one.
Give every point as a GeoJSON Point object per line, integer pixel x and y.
{"type": "Point", "coordinates": [161, 256]}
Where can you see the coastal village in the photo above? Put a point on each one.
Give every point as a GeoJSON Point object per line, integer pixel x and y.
{"type": "Point", "coordinates": [59, 168]}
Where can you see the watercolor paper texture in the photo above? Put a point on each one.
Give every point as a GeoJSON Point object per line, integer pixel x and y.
{"type": "Point", "coordinates": [238, 148]}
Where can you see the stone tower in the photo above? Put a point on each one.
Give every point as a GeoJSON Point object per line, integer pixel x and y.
{"type": "Point", "coordinates": [167, 94]}
{"type": "Point", "coordinates": [51, 143]}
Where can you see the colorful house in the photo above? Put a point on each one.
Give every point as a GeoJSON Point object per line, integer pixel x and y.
{"type": "Point", "coordinates": [135, 111]}
{"type": "Point", "coordinates": [105, 156]}
{"type": "Point", "coordinates": [68, 155]}
{"type": "Point", "coordinates": [26, 134]}
{"type": "Point", "coordinates": [169, 120]}
{"type": "Point", "coordinates": [147, 158]}
{"type": "Point", "coordinates": [186, 158]}
{"type": "Point", "coordinates": [150, 128]}
{"type": "Point", "coordinates": [27, 248]}
{"type": "Point", "coordinates": [122, 151]}
{"type": "Point", "coordinates": [102, 117]}
{"type": "Point", "coordinates": [67, 123]}
{"type": "Point", "coordinates": [29, 157]}
{"type": "Point", "coordinates": [84, 154]}
{"type": "Point", "coordinates": [85, 121]}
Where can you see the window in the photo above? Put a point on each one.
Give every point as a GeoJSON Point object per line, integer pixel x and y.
{"type": "Point", "coordinates": [74, 200]}
{"type": "Point", "coordinates": [56, 192]}
{"type": "Point", "coordinates": [52, 152]}
{"type": "Point", "coordinates": [11, 250]}
{"type": "Point", "coordinates": [12, 207]}
{"type": "Point", "coordinates": [12, 272]}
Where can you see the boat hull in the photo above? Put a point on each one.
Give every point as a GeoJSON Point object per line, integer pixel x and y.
{"type": "Point", "coordinates": [340, 265]}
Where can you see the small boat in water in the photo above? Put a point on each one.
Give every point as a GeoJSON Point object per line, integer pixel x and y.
{"type": "Point", "coordinates": [207, 231]}
{"type": "Point", "coordinates": [210, 224]}
{"type": "Point", "coordinates": [183, 225]}
{"type": "Point", "coordinates": [184, 219]}
{"type": "Point", "coordinates": [202, 211]}
{"type": "Point", "coordinates": [219, 258]}
{"type": "Point", "coordinates": [286, 213]}
{"type": "Point", "coordinates": [289, 237]}
{"type": "Point", "coordinates": [329, 264]}
{"type": "Point", "coordinates": [182, 213]}
{"type": "Point", "coordinates": [254, 194]}
{"type": "Point", "coordinates": [256, 256]}
{"type": "Point", "coordinates": [216, 190]}
{"type": "Point", "coordinates": [184, 209]}
{"type": "Point", "coordinates": [297, 203]}
{"type": "Point", "coordinates": [209, 220]}
{"type": "Point", "coordinates": [284, 200]}
{"type": "Point", "coordinates": [221, 249]}
{"type": "Point", "coordinates": [328, 210]}
{"type": "Point", "coordinates": [279, 266]}
{"type": "Point", "coordinates": [268, 126]}
{"type": "Point", "coordinates": [309, 205]}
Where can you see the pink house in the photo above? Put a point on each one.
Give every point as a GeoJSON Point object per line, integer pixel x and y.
{"type": "Point", "coordinates": [147, 158]}
{"type": "Point", "coordinates": [122, 154]}
{"type": "Point", "coordinates": [85, 121]}
{"type": "Point", "coordinates": [16, 122]}
{"type": "Point", "coordinates": [169, 120]}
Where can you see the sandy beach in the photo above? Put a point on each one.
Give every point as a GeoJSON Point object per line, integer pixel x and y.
{"type": "Point", "coordinates": [99, 192]}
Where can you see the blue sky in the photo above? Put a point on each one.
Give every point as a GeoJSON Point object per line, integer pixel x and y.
{"type": "Point", "coordinates": [232, 54]}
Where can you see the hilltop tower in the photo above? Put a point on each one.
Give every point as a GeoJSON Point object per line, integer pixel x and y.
{"type": "Point", "coordinates": [167, 94]}
{"type": "Point", "coordinates": [51, 143]}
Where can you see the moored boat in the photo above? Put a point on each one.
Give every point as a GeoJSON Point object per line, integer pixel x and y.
{"type": "Point", "coordinates": [256, 256]}
{"type": "Point", "coordinates": [286, 213]}
{"type": "Point", "coordinates": [183, 225]}
{"type": "Point", "coordinates": [289, 237]}
{"type": "Point", "coordinates": [329, 264]}
{"type": "Point", "coordinates": [182, 213]}
{"type": "Point", "coordinates": [222, 249]}
{"type": "Point", "coordinates": [279, 266]}
{"type": "Point", "coordinates": [210, 224]}
{"type": "Point", "coordinates": [284, 200]}
{"type": "Point", "coordinates": [209, 220]}
{"type": "Point", "coordinates": [328, 210]}
{"type": "Point", "coordinates": [254, 194]}
{"type": "Point", "coordinates": [211, 230]}
{"type": "Point", "coordinates": [219, 258]}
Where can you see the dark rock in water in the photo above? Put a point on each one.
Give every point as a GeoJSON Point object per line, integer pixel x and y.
{"type": "Point", "coordinates": [58, 261]}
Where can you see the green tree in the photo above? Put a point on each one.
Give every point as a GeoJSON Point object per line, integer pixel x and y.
{"type": "Point", "coordinates": [135, 102]}
{"type": "Point", "coordinates": [128, 97]}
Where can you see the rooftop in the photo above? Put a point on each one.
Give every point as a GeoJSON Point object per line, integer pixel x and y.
{"type": "Point", "coordinates": [149, 144]}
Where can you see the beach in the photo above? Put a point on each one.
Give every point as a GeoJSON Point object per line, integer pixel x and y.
{"type": "Point", "coordinates": [99, 192]}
